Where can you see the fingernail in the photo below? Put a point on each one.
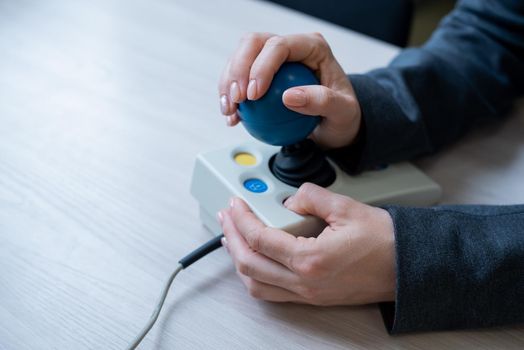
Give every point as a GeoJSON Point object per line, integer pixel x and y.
{"type": "Point", "coordinates": [288, 201]}
{"type": "Point", "coordinates": [295, 97]}
{"type": "Point", "coordinates": [224, 244]}
{"type": "Point", "coordinates": [220, 217]}
{"type": "Point", "coordinates": [251, 89]}
{"type": "Point", "coordinates": [234, 92]}
{"type": "Point", "coordinates": [229, 120]}
{"type": "Point", "coordinates": [224, 104]}
{"type": "Point", "coordinates": [232, 202]}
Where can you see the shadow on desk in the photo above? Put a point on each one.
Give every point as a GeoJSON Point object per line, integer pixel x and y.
{"type": "Point", "coordinates": [338, 327]}
{"type": "Point", "coordinates": [361, 327]}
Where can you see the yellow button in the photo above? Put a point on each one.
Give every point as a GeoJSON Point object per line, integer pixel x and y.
{"type": "Point", "coordinates": [244, 158]}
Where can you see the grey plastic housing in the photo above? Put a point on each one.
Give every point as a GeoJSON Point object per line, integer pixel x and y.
{"type": "Point", "coordinates": [217, 178]}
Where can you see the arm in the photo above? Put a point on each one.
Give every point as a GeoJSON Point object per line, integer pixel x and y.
{"type": "Point", "coordinates": [471, 70]}
{"type": "Point", "coordinates": [462, 266]}
{"type": "Point", "coordinates": [457, 267]}
{"type": "Point", "coordinates": [444, 256]}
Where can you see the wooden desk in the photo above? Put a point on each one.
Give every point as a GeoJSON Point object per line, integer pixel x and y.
{"type": "Point", "coordinates": [103, 107]}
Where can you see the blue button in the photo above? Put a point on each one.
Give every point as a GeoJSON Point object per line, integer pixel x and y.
{"type": "Point", "coordinates": [255, 185]}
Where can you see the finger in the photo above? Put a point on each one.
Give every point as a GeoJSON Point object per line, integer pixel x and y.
{"type": "Point", "coordinates": [227, 107]}
{"type": "Point", "coordinates": [232, 120]}
{"type": "Point", "coordinates": [334, 106]}
{"type": "Point", "coordinates": [253, 264]}
{"type": "Point", "coordinates": [234, 80]}
{"type": "Point", "coordinates": [318, 100]}
{"type": "Point", "coordinates": [273, 243]}
{"type": "Point", "coordinates": [260, 290]}
{"type": "Point", "coordinates": [277, 50]}
{"type": "Point", "coordinates": [317, 201]}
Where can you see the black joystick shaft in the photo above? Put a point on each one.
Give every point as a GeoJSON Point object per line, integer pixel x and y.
{"type": "Point", "coordinates": [302, 162]}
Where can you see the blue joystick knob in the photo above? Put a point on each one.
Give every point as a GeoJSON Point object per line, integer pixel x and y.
{"type": "Point", "coordinates": [269, 120]}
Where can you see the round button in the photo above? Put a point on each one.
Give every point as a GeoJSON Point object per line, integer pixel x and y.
{"type": "Point", "coordinates": [255, 185]}
{"type": "Point", "coordinates": [244, 158]}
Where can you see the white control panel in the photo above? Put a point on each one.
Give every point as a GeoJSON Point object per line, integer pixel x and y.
{"type": "Point", "coordinates": [243, 171]}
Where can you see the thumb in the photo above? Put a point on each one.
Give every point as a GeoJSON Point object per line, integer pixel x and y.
{"type": "Point", "coordinates": [316, 100]}
{"type": "Point", "coordinates": [314, 200]}
{"type": "Point", "coordinates": [339, 109]}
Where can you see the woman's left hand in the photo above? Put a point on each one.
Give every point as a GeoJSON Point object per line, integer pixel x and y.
{"type": "Point", "coordinates": [351, 262]}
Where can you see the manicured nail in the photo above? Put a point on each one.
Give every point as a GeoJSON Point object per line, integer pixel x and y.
{"type": "Point", "coordinates": [220, 217]}
{"type": "Point", "coordinates": [224, 104]}
{"type": "Point", "coordinates": [232, 202]}
{"type": "Point", "coordinates": [234, 92]}
{"type": "Point", "coordinates": [229, 120]}
{"type": "Point", "coordinates": [224, 244]}
{"type": "Point", "coordinates": [288, 201]}
{"type": "Point", "coordinates": [251, 89]}
{"type": "Point", "coordinates": [295, 97]}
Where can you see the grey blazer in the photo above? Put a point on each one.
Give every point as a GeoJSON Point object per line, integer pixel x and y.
{"type": "Point", "coordinates": [457, 266]}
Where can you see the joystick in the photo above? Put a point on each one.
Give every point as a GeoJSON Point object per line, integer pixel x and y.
{"type": "Point", "coordinates": [270, 121]}
{"type": "Point", "coordinates": [265, 173]}
{"type": "Point", "coordinates": [302, 162]}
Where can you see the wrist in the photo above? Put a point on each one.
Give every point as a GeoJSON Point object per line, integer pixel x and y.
{"type": "Point", "coordinates": [388, 276]}
{"type": "Point", "coordinates": [349, 158]}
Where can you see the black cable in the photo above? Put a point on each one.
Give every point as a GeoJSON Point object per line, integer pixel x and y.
{"type": "Point", "coordinates": [202, 251]}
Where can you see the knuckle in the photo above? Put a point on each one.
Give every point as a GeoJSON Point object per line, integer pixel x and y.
{"type": "Point", "coordinates": [276, 41]}
{"type": "Point", "coordinates": [253, 288]}
{"type": "Point", "coordinates": [306, 190]}
{"type": "Point", "coordinates": [319, 36]}
{"type": "Point", "coordinates": [350, 100]}
{"type": "Point", "coordinates": [309, 293]}
{"type": "Point", "coordinates": [325, 96]}
{"type": "Point", "coordinates": [311, 266]}
{"type": "Point", "coordinates": [322, 44]}
{"type": "Point", "coordinates": [342, 202]}
{"type": "Point", "coordinates": [255, 237]}
{"type": "Point", "coordinates": [340, 206]}
{"type": "Point", "coordinates": [244, 266]}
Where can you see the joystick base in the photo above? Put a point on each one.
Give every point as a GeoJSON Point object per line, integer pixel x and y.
{"type": "Point", "coordinates": [221, 174]}
{"type": "Point", "coordinates": [302, 162]}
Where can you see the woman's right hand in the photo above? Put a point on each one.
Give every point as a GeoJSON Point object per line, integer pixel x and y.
{"type": "Point", "coordinates": [251, 68]}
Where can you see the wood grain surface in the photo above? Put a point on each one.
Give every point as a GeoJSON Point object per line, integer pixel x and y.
{"type": "Point", "coordinates": [103, 108]}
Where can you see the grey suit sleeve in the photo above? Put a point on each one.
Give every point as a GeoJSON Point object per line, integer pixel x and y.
{"type": "Point", "coordinates": [463, 266]}
{"type": "Point", "coordinates": [457, 267]}
{"type": "Point", "coordinates": [469, 72]}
